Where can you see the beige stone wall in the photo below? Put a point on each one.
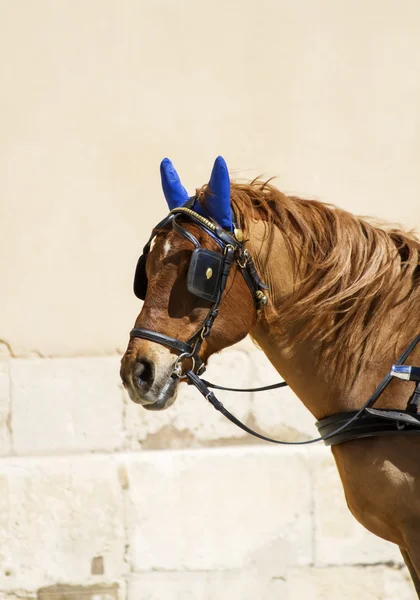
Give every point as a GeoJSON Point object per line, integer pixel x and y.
{"type": "Point", "coordinates": [94, 93]}
{"type": "Point", "coordinates": [99, 499]}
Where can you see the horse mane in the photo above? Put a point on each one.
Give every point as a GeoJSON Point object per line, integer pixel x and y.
{"type": "Point", "coordinates": [350, 272]}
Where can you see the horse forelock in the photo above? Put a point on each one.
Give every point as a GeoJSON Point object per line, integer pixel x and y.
{"type": "Point", "coordinates": [353, 275]}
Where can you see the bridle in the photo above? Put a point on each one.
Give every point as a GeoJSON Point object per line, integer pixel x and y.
{"type": "Point", "coordinates": [207, 277]}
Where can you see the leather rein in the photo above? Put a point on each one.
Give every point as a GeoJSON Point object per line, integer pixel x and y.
{"type": "Point", "coordinates": [334, 429]}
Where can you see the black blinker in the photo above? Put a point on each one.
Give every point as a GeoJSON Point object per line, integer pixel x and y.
{"type": "Point", "coordinates": [140, 278]}
{"type": "Point", "coordinates": [204, 274]}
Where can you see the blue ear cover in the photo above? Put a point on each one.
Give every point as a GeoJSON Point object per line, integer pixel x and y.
{"type": "Point", "coordinates": [218, 200]}
{"type": "Point", "coordinates": [175, 193]}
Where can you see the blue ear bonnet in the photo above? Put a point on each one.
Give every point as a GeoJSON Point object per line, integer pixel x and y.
{"type": "Point", "coordinates": [218, 201]}
{"type": "Point", "coordinates": [175, 193]}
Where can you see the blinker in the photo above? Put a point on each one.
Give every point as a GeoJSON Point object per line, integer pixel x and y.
{"type": "Point", "coordinates": [207, 268]}
{"type": "Point", "coordinates": [204, 274]}
{"type": "Point", "coordinates": [140, 277]}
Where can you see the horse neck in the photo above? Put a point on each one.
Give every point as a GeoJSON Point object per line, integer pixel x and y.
{"type": "Point", "coordinates": [322, 389]}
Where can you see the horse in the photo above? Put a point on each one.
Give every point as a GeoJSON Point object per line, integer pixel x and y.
{"type": "Point", "coordinates": [329, 297]}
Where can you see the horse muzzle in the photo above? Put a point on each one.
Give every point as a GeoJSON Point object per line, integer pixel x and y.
{"type": "Point", "coordinates": [147, 384]}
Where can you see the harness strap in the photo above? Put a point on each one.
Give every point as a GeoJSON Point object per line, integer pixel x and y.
{"type": "Point", "coordinates": [349, 418]}
{"type": "Point", "coordinates": [265, 388]}
{"type": "Point", "coordinates": [373, 423]}
{"type": "Point", "coordinates": [203, 389]}
{"type": "Point", "coordinates": [182, 231]}
{"type": "Point", "coordinates": [253, 273]}
{"type": "Point", "coordinates": [161, 338]}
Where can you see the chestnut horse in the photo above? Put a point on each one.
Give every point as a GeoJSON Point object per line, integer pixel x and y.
{"type": "Point", "coordinates": [344, 300]}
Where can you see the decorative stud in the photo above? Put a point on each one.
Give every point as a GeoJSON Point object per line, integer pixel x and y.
{"type": "Point", "coordinates": [261, 298]}
{"type": "Point", "coordinates": [239, 234]}
{"type": "Point", "coordinates": [209, 273]}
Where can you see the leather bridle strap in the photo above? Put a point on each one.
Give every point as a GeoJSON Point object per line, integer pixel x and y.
{"type": "Point", "coordinates": [232, 251]}
{"type": "Point", "coordinates": [185, 348]}
{"type": "Point", "coordinates": [264, 388]}
{"type": "Point", "coordinates": [161, 338]}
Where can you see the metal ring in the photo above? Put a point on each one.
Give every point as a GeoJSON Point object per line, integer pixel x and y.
{"type": "Point", "coordinates": [228, 246]}
{"type": "Point", "coordinates": [177, 370]}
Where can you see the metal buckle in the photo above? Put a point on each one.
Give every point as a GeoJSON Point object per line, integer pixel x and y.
{"type": "Point", "coordinates": [245, 258]}
{"type": "Point", "coordinates": [225, 249]}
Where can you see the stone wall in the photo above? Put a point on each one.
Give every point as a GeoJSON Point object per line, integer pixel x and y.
{"type": "Point", "coordinates": [322, 95]}
{"type": "Point", "coordinates": [101, 500]}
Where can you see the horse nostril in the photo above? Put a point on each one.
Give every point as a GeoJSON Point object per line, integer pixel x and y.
{"type": "Point", "coordinates": [143, 373]}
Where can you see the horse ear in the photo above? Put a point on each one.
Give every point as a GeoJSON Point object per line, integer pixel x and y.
{"type": "Point", "coordinates": [218, 200]}
{"type": "Point", "coordinates": [175, 193]}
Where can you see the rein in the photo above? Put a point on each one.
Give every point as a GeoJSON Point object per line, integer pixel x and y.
{"type": "Point", "coordinates": [204, 265]}
{"type": "Point", "coordinates": [402, 420]}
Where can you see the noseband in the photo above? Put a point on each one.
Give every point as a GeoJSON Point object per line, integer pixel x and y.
{"type": "Point", "coordinates": [207, 277]}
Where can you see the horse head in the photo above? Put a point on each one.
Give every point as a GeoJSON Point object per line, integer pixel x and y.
{"type": "Point", "coordinates": [200, 289]}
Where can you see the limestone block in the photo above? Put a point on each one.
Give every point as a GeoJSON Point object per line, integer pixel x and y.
{"type": "Point", "coordinates": [339, 538]}
{"type": "Point", "coordinates": [343, 583]}
{"type": "Point", "coordinates": [398, 584]}
{"type": "Point", "coordinates": [72, 404]}
{"type": "Point", "coordinates": [56, 515]}
{"type": "Point", "coordinates": [346, 583]}
{"type": "Point", "coordinates": [200, 585]}
{"type": "Point", "coordinates": [220, 508]}
{"type": "Point", "coordinates": [278, 413]}
{"type": "Point", "coordinates": [191, 421]}
{"type": "Point", "coordinates": [5, 438]}
{"type": "Point", "coordinates": [18, 596]}
{"type": "Point", "coordinates": [68, 592]}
